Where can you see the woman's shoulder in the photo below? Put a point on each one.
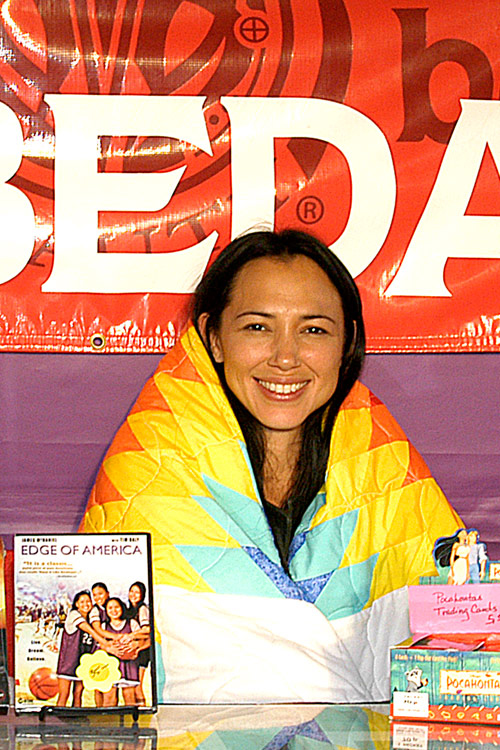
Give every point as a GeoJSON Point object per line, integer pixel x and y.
{"type": "Point", "coordinates": [363, 424]}
{"type": "Point", "coordinates": [72, 621]}
{"type": "Point", "coordinates": [362, 399]}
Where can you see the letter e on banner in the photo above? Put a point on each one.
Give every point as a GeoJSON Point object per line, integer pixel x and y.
{"type": "Point", "coordinates": [17, 217]}
{"type": "Point", "coordinates": [81, 192]}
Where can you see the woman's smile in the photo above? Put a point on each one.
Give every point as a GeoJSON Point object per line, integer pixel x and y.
{"type": "Point", "coordinates": [281, 390]}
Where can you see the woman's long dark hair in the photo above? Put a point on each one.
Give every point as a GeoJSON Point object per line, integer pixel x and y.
{"type": "Point", "coordinates": [443, 547]}
{"type": "Point", "coordinates": [212, 296]}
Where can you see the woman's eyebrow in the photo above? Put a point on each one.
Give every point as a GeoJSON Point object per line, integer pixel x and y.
{"type": "Point", "coordinates": [255, 312]}
{"type": "Point", "coordinates": [320, 316]}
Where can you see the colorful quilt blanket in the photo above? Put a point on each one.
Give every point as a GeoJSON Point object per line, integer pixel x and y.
{"type": "Point", "coordinates": [233, 626]}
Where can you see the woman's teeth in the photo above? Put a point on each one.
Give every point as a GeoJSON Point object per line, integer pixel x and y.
{"type": "Point", "coordinates": [282, 388]}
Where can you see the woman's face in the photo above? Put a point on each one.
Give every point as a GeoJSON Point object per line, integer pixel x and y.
{"type": "Point", "coordinates": [134, 595]}
{"type": "Point", "coordinates": [84, 604]}
{"type": "Point", "coordinates": [114, 609]}
{"type": "Point", "coordinates": [100, 595]}
{"type": "Point", "coordinates": [281, 340]}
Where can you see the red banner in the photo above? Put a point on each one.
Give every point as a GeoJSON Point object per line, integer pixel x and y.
{"type": "Point", "coordinates": [137, 138]}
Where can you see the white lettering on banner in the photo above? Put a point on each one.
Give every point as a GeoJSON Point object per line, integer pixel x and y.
{"type": "Point", "coordinates": [17, 217]}
{"type": "Point", "coordinates": [444, 231]}
{"type": "Point", "coordinates": [81, 192]}
{"type": "Point", "coordinates": [255, 122]}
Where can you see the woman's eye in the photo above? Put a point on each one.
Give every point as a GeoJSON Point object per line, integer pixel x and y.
{"type": "Point", "coordinates": [315, 330]}
{"type": "Point", "coordinates": [255, 327]}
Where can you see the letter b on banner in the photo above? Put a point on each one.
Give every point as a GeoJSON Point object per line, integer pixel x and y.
{"type": "Point", "coordinates": [17, 218]}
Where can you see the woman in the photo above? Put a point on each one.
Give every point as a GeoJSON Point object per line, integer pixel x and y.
{"type": "Point", "coordinates": [288, 511]}
{"type": "Point", "coordinates": [97, 619]}
{"type": "Point", "coordinates": [97, 616]}
{"type": "Point", "coordinates": [77, 638]}
{"type": "Point", "coordinates": [118, 625]}
{"type": "Point", "coordinates": [138, 611]}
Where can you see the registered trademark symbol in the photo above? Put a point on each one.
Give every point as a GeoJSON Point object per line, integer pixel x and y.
{"type": "Point", "coordinates": [310, 209]}
{"type": "Point", "coordinates": [254, 29]}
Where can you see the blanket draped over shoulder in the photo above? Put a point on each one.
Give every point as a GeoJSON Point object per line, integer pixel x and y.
{"type": "Point", "coordinates": [233, 626]}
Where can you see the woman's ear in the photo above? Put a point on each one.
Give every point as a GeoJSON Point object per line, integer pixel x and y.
{"type": "Point", "coordinates": [202, 327]}
{"type": "Point", "coordinates": [211, 340]}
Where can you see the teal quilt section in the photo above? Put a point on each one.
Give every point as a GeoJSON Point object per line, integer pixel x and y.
{"type": "Point", "coordinates": [253, 568]}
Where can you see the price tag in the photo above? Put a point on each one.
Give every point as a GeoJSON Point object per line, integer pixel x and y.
{"type": "Point", "coordinates": [410, 704]}
{"type": "Point", "coordinates": [410, 737]}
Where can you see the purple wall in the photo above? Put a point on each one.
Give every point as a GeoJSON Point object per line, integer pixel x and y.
{"type": "Point", "coordinates": [449, 405]}
{"type": "Point", "coordinates": [59, 413]}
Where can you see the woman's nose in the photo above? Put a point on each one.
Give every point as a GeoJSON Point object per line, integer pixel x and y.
{"type": "Point", "coordinates": [285, 353]}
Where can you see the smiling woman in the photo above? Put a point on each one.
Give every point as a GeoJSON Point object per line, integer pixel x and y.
{"type": "Point", "coordinates": [272, 317]}
{"type": "Point", "coordinates": [280, 344]}
{"type": "Point", "coordinates": [287, 509]}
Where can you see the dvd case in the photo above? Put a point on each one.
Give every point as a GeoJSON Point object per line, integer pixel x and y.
{"type": "Point", "coordinates": [83, 623]}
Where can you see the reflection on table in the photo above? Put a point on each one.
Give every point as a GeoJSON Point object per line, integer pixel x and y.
{"type": "Point", "coordinates": [262, 727]}
{"type": "Point", "coordinates": [252, 727]}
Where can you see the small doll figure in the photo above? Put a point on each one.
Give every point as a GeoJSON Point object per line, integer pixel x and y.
{"type": "Point", "coordinates": [478, 556]}
{"type": "Point", "coordinates": [454, 551]}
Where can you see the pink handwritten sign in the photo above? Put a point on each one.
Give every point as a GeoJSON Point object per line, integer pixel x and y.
{"type": "Point", "coordinates": [473, 608]}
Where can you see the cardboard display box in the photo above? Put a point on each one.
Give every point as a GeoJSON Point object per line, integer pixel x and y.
{"type": "Point", "coordinates": [453, 674]}
{"type": "Point", "coordinates": [446, 684]}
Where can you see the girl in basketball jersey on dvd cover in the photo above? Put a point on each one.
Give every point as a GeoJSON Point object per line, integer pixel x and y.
{"type": "Point", "coordinates": [118, 624]}
{"type": "Point", "coordinates": [78, 637]}
{"type": "Point", "coordinates": [139, 611]}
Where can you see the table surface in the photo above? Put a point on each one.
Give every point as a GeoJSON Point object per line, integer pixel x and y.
{"type": "Point", "coordinates": [256, 727]}
{"type": "Point", "coordinates": [249, 727]}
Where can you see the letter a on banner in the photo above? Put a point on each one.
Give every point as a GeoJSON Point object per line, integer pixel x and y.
{"type": "Point", "coordinates": [445, 231]}
{"type": "Point", "coordinates": [81, 192]}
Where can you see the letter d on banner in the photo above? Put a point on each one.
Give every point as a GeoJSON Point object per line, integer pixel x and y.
{"type": "Point", "coordinates": [17, 218]}
{"type": "Point", "coordinates": [256, 122]}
